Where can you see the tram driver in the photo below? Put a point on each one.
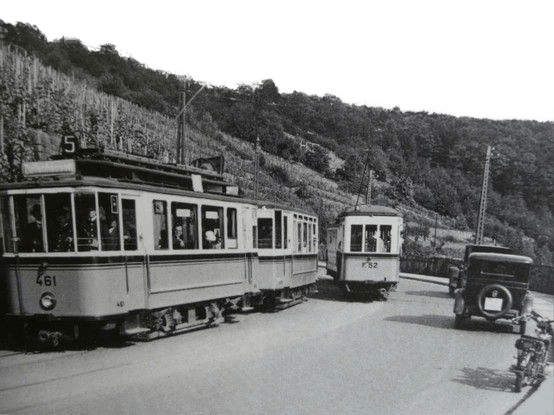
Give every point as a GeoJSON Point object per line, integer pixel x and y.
{"type": "Point", "coordinates": [64, 239]}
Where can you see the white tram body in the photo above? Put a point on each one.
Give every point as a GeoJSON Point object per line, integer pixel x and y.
{"type": "Point", "coordinates": [287, 253]}
{"type": "Point", "coordinates": [363, 249]}
{"type": "Point", "coordinates": [108, 240]}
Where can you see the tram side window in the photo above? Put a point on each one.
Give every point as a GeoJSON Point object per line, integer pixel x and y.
{"type": "Point", "coordinates": [314, 236]}
{"type": "Point", "coordinates": [278, 229]}
{"type": "Point", "coordinates": [6, 244]}
{"type": "Point", "coordinates": [370, 238]}
{"type": "Point", "coordinates": [87, 221]}
{"type": "Point", "coordinates": [212, 227]}
{"type": "Point", "coordinates": [184, 220]}
{"type": "Point", "coordinates": [299, 237]}
{"type": "Point", "coordinates": [129, 224]}
{"type": "Point", "coordinates": [160, 224]}
{"type": "Point", "coordinates": [385, 236]}
{"type": "Point", "coordinates": [285, 232]}
{"type": "Point", "coordinates": [265, 233]}
{"type": "Point", "coordinates": [59, 222]}
{"type": "Point", "coordinates": [29, 223]}
{"type": "Point", "coordinates": [108, 205]}
{"type": "Point", "coordinates": [356, 238]}
{"type": "Point", "coordinates": [232, 231]}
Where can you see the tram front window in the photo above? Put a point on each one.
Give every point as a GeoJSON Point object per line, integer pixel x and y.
{"type": "Point", "coordinates": [356, 238]}
{"type": "Point", "coordinates": [87, 222]}
{"type": "Point", "coordinates": [370, 238]}
{"type": "Point", "coordinates": [385, 235]}
{"type": "Point", "coordinates": [59, 222]}
{"type": "Point", "coordinates": [42, 223]}
{"type": "Point", "coordinates": [108, 206]}
{"type": "Point", "coordinates": [29, 223]}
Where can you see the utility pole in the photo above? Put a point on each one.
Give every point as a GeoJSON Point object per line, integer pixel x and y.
{"type": "Point", "coordinates": [256, 163]}
{"type": "Point", "coordinates": [369, 186]}
{"type": "Point", "coordinates": [3, 32]}
{"type": "Point", "coordinates": [483, 205]}
{"type": "Point", "coordinates": [181, 123]}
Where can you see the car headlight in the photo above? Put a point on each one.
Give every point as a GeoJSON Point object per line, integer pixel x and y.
{"type": "Point", "coordinates": [47, 301]}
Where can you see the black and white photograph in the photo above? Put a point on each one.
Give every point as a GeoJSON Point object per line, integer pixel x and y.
{"type": "Point", "coordinates": [277, 207]}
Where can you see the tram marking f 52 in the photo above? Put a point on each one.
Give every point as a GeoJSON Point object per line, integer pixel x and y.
{"type": "Point", "coordinates": [363, 250]}
{"type": "Point", "coordinates": [106, 239]}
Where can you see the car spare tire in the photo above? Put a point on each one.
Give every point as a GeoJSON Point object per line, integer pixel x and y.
{"type": "Point", "coordinates": [504, 293]}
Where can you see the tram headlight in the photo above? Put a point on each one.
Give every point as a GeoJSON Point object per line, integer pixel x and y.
{"type": "Point", "coordinates": [47, 301]}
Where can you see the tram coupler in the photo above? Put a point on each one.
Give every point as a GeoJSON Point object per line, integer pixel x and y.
{"type": "Point", "coordinates": [50, 338]}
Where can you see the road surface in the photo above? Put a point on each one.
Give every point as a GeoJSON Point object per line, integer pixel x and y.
{"type": "Point", "coordinates": [328, 355]}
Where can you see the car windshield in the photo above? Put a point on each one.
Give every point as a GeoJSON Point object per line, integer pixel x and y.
{"type": "Point", "coordinates": [500, 270]}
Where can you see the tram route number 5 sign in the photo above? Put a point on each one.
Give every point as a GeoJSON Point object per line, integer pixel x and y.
{"type": "Point", "coordinates": [69, 145]}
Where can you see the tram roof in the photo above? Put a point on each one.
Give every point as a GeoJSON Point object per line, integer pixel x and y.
{"type": "Point", "coordinates": [370, 210]}
{"type": "Point", "coordinates": [123, 167]}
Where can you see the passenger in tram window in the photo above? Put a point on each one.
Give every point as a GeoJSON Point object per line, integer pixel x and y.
{"type": "Point", "coordinates": [370, 238]}
{"type": "Point", "coordinates": [212, 239]}
{"type": "Point", "coordinates": [90, 229]}
{"type": "Point", "coordinates": [178, 242]}
{"type": "Point", "coordinates": [109, 231]}
{"type": "Point", "coordinates": [33, 231]}
{"type": "Point", "coordinates": [64, 238]}
{"type": "Point", "coordinates": [129, 236]}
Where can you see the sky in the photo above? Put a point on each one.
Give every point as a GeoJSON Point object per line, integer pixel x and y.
{"type": "Point", "coordinates": [477, 58]}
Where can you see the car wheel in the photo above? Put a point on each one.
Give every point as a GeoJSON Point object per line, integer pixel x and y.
{"type": "Point", "coordinates": [506, 306]}
{"type": "Point", "coordinates": [459, 320]}
{"type": "Point", "coordinates": [519, 382]}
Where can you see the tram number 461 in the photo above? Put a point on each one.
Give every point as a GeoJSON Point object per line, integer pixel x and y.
{"type": "Point", "coordinates": [46, 280]}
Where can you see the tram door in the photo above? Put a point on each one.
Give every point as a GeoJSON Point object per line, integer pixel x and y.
{"type": "Point", "coordinates": [133, 261]}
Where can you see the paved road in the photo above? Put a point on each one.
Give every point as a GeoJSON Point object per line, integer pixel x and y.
{"type": "Point", "coordinates": [328, 355]}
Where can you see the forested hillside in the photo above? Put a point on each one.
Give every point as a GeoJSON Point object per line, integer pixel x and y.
{"type": "Point", "coordinates": [422, 162]}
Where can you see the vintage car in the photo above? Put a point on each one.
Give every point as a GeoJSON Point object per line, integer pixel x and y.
{"type": "Point", "coordinates": [456, 273]}
{"type": "Point", "coordinates": [495, 286]}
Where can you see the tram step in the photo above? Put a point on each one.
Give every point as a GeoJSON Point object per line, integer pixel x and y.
{"type": "Point", "coordinates": [246, 309]}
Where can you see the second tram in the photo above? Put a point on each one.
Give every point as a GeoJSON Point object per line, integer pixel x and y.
{"type": "Point", "coordinates": [363, 250]}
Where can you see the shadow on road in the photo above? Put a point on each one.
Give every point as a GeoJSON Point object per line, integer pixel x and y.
{"type": "Point", "coordinates": [429, 320]}
{"type": "Point", "coordinates": [447, 322]}
{"type": "Point", "coordinates": [427, 293]}
{"type": "Point", "coordinates": [330, 291]}
{"type": "Point", "coordinates": [487, 379]}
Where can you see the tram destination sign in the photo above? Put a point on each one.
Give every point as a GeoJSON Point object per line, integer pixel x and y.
{"type": "Point", "coordinates": [49, 168]}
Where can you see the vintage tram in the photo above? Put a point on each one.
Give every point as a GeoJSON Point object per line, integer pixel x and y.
{"type": "Point", "coordinates": [363, 250]}
{"type": "Point", "coordinates": [107, 240]}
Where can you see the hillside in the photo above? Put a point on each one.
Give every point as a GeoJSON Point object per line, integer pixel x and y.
{"type": "Point", "coordinates": [313, 149]}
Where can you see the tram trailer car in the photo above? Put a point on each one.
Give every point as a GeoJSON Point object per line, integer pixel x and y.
{"type": "Point", "coordinates": [363, 250]}
{"type": "Point", "coordinates": [287, 255]}
{"type": "Point", "coordinates": [105, 240]}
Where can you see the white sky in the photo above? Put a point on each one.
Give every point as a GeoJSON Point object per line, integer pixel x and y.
{"type": "Point", "coordinates": [479, 58]}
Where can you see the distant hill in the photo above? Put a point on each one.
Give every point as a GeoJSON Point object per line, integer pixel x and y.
{"type": "Point", "coordinates": [314, 149]}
